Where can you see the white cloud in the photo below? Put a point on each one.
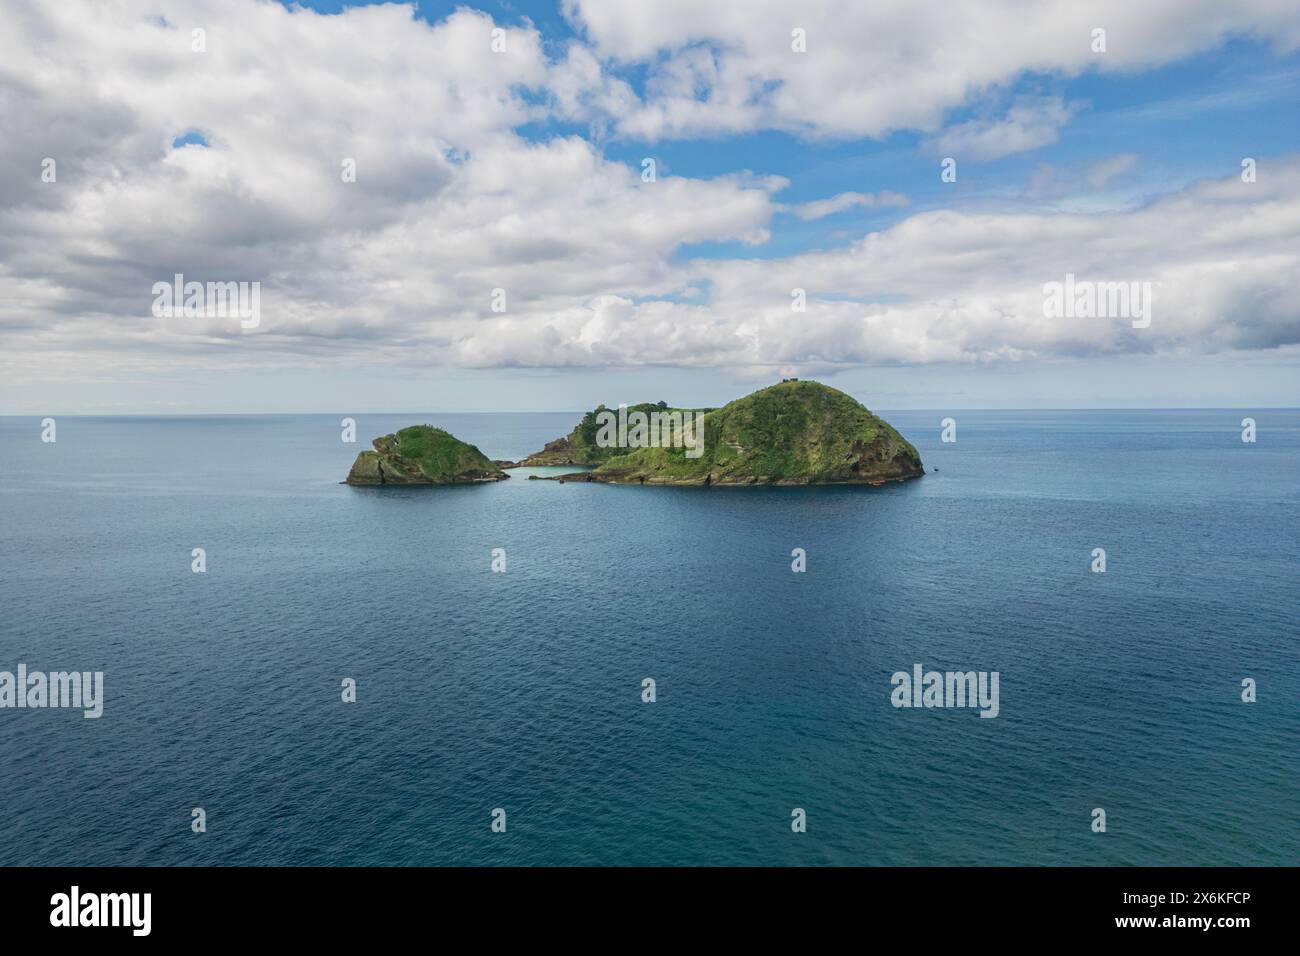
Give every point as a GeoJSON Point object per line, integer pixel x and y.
{"type": "Point", "coordinates": [1223, 260]}
{"type": "Point", "coordinates": [1027, 125]}
{"type": "Point", "coordinates": [451, 202]}
{"type": "Point", "coordinates": [821, 208]}
{"type": "Point", "coordinates": [872, 68]}
{"type": "Point", "coordinates": [1100, 174]}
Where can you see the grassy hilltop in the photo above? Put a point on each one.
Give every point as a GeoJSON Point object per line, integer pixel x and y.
{"type": "Point", "coordinates": [422, 455]}
{"type": "Point", "coordinates": [792, 433]}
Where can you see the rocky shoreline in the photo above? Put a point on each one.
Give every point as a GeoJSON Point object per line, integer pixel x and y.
{"type": "Point", "coordinates": [708, 482]}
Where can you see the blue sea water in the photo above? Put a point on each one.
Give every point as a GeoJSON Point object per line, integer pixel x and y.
{"type": "Point", "coordinates": [522, 690]}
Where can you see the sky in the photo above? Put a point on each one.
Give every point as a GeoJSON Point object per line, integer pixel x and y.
{"type": "Point", "coordinates": [544, 206]}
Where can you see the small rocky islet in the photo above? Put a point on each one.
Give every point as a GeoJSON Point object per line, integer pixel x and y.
{"type": "Point", "coordinates": [792, 433]}
{"type": "Point", "coordinates": [423, 455]}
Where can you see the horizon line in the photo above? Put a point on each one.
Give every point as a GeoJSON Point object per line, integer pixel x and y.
{"type": "Point", "coordinates": [565, 411]}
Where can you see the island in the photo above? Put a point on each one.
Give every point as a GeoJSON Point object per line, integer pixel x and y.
{"type": "Point", "coordinates": [792, 433]}
{"type": "Point", "coordinates": [581, 446]}
{"type": "Point", "coordinates": [423, 455]}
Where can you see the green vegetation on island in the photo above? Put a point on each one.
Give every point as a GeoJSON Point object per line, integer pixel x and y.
{"type": "Point", "coordinates": [794, 433]}
{"type": "Point", "coordinates": [422, 455]}
{"type": "Point", "coordinates": [580, 446]}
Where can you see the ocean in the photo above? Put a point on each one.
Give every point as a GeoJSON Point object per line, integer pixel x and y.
{"type": "Point", "coordinates": [478, 690]}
